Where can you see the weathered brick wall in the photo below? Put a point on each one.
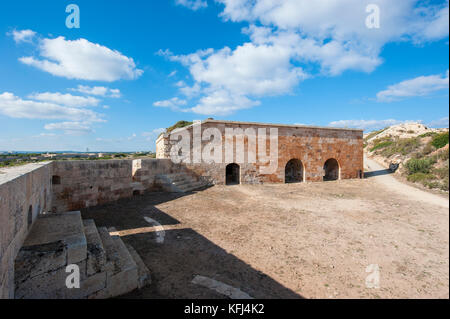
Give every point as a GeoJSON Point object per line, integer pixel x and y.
{"type": "Point", "coordinates": [312, 145]}
{"type": "Point", "coordinates": [89, 183]}
{"type": "Point", "coordinates": [23, 190]}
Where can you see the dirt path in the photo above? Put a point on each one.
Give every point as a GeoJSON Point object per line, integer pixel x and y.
{"type": "Point", "coordinates": [313, 240]}
{"type": "Point", "coordinates": [396, 186]}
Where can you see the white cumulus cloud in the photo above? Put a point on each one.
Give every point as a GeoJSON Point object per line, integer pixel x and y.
{"type": "Point", "coordinates": [192, 4]}
{"type": "Point", "coordinates": [16, 107]}
{"type": "Point", "coordinates": [173, 103]}
{"type": "Point", "coordinates": [98, 90]}
{"type": "Point", "coordinates": [82, 60]}
{"type": "Point", "coordinates": [287, 37]}
{"type": "Point", "coordinates": [367, 124]}
{"type": "Point", "coordinates": [222, 103]}
{"type": "Point", "coordinates": [71, 128]}
{"type": "Point", "coordinates": [419, 86]}
{"type": "Point", "coordinates": [65, 99]}
{"type": "Point", "coordinates": [442, 122]}
{"type": "Point", "coordinates": [22, 35]}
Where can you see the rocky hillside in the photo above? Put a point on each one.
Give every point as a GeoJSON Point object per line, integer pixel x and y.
{"type": "Point", "coordinates": [421, 152]}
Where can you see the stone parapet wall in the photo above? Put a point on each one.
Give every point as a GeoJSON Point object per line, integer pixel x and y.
{"type": "Point", "coordinates": [61, 186]}
{"type": "Point", "coordinates": [25, 192]}
{"type": "Point", "coordinates": [89, 183]}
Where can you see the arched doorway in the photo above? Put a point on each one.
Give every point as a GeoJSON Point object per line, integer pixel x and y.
{"type": "Point", "coordinates": [232, 174]}
{"type": "Point", "coordinates": [293, 172]}
{"type": "Point", "coordinates": [331, 170]}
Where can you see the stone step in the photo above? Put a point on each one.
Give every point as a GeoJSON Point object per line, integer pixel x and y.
{"type": "Point", "coordinates": [122, 270]}
{"type": "Point", "coordinates": [109, 246]}
{"type": "Point", "coordinates": [125, 261]}
{"type": "Point", "coordinates": [144, 277]}
{"type": "Point", "coordinates": [96, 254]}
{"type": "Point", "coordinates": [166, 183]}
{"type": "Point", "coordinates": [193, 186]}
{"type": "Point", "coordinates": [183, 182]}
{"type": "Point", "coordinates": [55, 241]}
{"type": "Point", "coordinates": [180, 182]}
{"type": "Point", "coordinates": [107, 267]}
{"type": "Point", "coordinates": [177, 176]}
{"type": "Point", "coordinates": [66, 228]}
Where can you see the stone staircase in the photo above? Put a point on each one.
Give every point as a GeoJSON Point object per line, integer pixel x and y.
{"type": "Point", "coordinates": [107, 267]}
{"type": "Point", "coordinates": [180, 182]}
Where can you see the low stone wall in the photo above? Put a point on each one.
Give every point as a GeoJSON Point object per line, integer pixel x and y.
{"type": "Point", "coordinates": [25, 192]}
{"type": "Point", "coordinates": [81, 184]}
{"type": "Point", "coordinates": [29, 190]}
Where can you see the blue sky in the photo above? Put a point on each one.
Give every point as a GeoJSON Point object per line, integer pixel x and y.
{"type": "Point", "coordinates": [134, 68]}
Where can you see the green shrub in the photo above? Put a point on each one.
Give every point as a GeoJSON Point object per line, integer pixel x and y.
{"type": "Point", "coordinates": [381, 145]}
{"type": "Point", "coordinates": [374, 133]}
{"type": "Point", "coordinates": [443, 155]}
{"type": "Point", "coordinates": [444, 185]}
{"type": "Point", "coordinates": [178, 124]}
{"type": "Point", "coordinates": [427, 134]}
{"type": "Point", "coordinates": [421, 165]}
{"type": "Point", "coordinates": [407, 145]}
{"type": "Point", "coordinates": [440, 140]}
{"type": "Point", "coordinates": [419, 177]}
{"type": "Point", "coordinates": [403, 146]}
{"type": "Point", "coordinates": [442, 173]}
{"type": "Point", "coordinates": [428, 149]}
{"type": "Point", "coordinates": [432, 184]}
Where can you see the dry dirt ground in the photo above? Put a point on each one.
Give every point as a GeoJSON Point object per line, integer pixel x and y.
{"type": "Point", "coordinates": [306, 240]}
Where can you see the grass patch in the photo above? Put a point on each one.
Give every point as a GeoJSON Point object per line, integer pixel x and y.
{"type": "Point", "coordinates": [178, 124]}
{"type": "Point", "coordinates": [427, 134]}
{"type": "Point", "coordinates": [440, 140]}
{"type": "Point", "coordinates": [420, 177]}
{"type": "Point", "coordinates": [403, 146]}
{"type": "Point", "coordinates": [428, 149]}
{"type": "Point", "coordinates": [442, 172]}
{"type": "Point", "coordinates": [442, 155]}
{"type": "Point", "coordinates": [374, 133]}
{"type": "Point", "coordinates": [381, 145]}
{"type": "Point", "coordinates": [420, 165]}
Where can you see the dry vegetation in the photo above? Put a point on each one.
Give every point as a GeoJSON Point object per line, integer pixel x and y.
{"type": "Point", "coordinates": [422, 153]}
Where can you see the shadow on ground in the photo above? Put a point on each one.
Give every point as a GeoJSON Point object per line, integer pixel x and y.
{"type": "Point", "coordinates": [183, 254]}
{"type": "Point", "coordinates": [128, 213]}
{"type": "Point", "coordinates": [377, 173]}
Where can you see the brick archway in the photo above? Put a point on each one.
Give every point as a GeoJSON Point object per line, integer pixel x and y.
{"type": "Point", "coordinates": [331, 170]}
{"type": "Point", "coordinates": [293, 171]}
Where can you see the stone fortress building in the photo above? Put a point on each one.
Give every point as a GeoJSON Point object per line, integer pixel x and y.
{"type": "Point", "coordinates": [303, 153]}
{"type": "Point", "coordinates": [42, 230]}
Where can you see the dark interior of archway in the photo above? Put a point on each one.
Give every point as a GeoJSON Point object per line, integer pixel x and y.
{"type": "Point", "coordinates": [30, 216]}
{"type": "Point", "coordinates": [293, 172]}
{"type": "Point", "coordinates": [331, 170]}
{"type": "Point", "coordinates": [232, 174]}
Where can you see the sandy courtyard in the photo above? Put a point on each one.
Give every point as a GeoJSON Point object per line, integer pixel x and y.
{"type": "Point", "coordinates": [307, 240]}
